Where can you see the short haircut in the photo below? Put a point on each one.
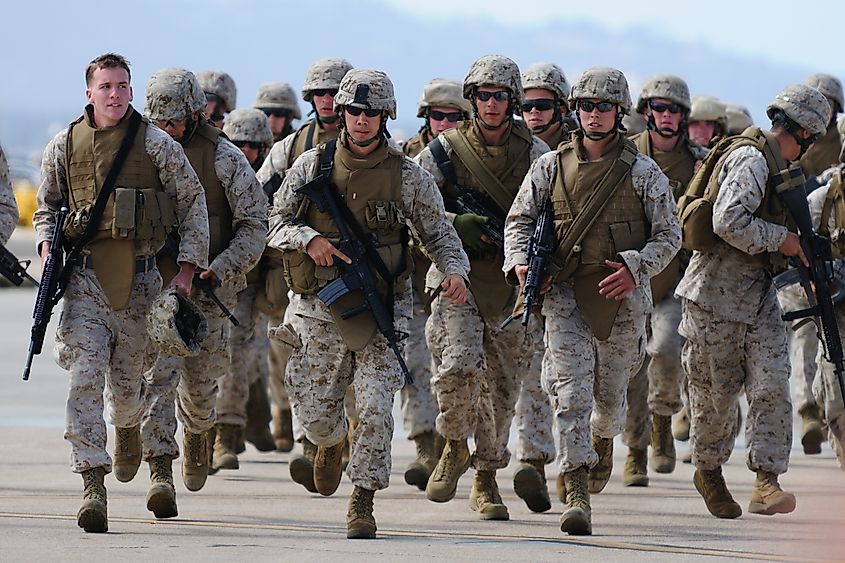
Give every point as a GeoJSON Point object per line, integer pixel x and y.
{"type": "Point", "coordinates": [109, 60]}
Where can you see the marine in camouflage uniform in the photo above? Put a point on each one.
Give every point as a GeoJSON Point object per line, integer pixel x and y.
{"type": "Point", "coordinates": [442, 106]}
{"type": "Point", "coordinates": [825, 151]}
{"type": "Point", "coordinates": [238, 227]}
{"type": "Point", "coordinates": [707, 121]}
{"type": "Point", "coordinates": [546, 108]}
{"type": "Point", "coordinates": [598, 295]}
{"type": "Point", "coordinates": [478, 366]}
{"type": "Point", "coordinates": [8, 206]}
{"type": "Point", "coordinates": [221, 95]}
{"type": "Point", "coordinates": [278, 102]}
{"type": "Point", "coordinates": [102, 338]}
{"type": "Point", "coordinates": [387, 193]}
{"type": "Point", "coordinates": [731, 317]}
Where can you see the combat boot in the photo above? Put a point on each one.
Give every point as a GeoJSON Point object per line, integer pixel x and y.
{"type": "Point", "coordinates": [360, 523]}
{"type": "Point", "coordinates": [452, 464]}
{"type": "Point", "coordinates": [576, 520]}
{"type": "Point", "coordinates": [768, 498]}
{"type": "Point", "coordinates": [485, 499]}
{"type": "Point", "coordinates": [711, 486]}
{"type": "Point", "coordinates": [127, 453]}
{"type": "Point", "coordinates": [161, 498]}
{"type": "Point", "coordinates": [662, 444]}
{"type": "Point", "coordinates": [600, 473]}
{"type": "Point", "coordinates": [301, 466]}
{"type": "Point", "coordinates": [328, 468]}
{"type": "Point", "coordinates": [195, 460]}
{"type": "Point", "coordinates": [635, 474]}
{"type": "Point", "coordinates": [93, 515]}
{"type": "Point", "coordinates": [812, 433]}
{"type": "Point", "coordinates": [224, 456]}
{"type": "Point", "coordinates": [282, 429]}
{"type": "Point", "coordinates": [240, 442]}
{"type": "Point", "coordinates": [681, 425]}
{"type": "Point", "coordinates": [419, 470]}
{"type": "Point", "coordinates": [529, 484]}
{"type": "Point", "coordinates": [257, 431]}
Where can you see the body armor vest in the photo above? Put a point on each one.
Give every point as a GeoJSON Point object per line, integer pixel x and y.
{"type": "Point", "coordinates": [834, 202]}
{"type": "Point", "coordinates": [416, 144]}
{"type": "Point", "coordinates": [677, 164]}
{"type": "Point", "coordinates": [308, 136]}
{"type": "Point", "coordinates": [823, 154]}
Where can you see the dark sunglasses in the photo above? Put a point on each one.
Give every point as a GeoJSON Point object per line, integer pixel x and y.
{"type": "Point", "coordinates": [500, 96]}
{"type": "Point", "coordinates": [588, 106]}
{"type": "Point", "coordinates": [540, 104]}
{"type": "Point", "coordinates": [452, 117]}
{"type": "Point", "coordinates": [356, 111]}
{"type": "Point", "coordinates": [276, 112]}
{"type": "Point", "coordinates": [323, 91]}
{"type": "Point", "coordinates": [660, 108]}
{"type": "Point", "coordinates": [251, 144]}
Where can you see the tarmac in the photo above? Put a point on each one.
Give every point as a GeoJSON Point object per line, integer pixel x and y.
{"type": "Point", "coordinates": [258, 514]}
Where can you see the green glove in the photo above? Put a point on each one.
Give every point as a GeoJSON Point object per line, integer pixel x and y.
{"type": "Point", "coordinates": [469, 229]}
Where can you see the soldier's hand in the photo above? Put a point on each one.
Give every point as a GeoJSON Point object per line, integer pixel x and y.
{"type": "Point", "coordinates": [209, 274]}
{"type": "Point", "coordinates": [455, 289]}
{"type": "Point", "coordinates": [322, 251]}
{"type": "Point", "coordinates": [791, 246]}
{"type": "Point", "coordinates": [469, 228]}
{"type": "Point", "coordinates": [45, 252]}
{"type": "Point", "coordinates": [618, 285]}
{"type": "Point", "coordinates": [184, 280]}
{"type": "Point", "coordinates": [521, 271]}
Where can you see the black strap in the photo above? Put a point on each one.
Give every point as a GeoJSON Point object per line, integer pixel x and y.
{"type": "Point", "coordinates": [443, 162]}
{"type": "Point", "coordinates": [309, 139]}
{"type": "Point", "coordinates": [272, 185]}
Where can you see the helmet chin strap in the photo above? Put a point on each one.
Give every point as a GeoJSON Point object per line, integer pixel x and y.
{"type": "Point", "coordinates": [651, 125]}
{"type": "Point", "coordinates": [486, 125]}
{"type": "Point", "coordinates": [557, 118]}
{"type": "Point", "coordinates": [327, 119]}
{"type": "Point", "coordinates": [598, 136]}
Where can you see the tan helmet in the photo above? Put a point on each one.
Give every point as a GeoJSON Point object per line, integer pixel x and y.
{"type": "Point", "coordinates": [248, 124]}
{"type": "Point", "coordinates": [324, 74]}
{"type": "Point", "coordinates": [443, 92]}
{"type": "Point", "coordinates": [176, 324]}
{"type": "Point", "coordinates": [172, 93]}
{"type": "Point", "coordinates": [277, 95]}
{"type": "Point", "coordinates": [804, 105]}
{"type": "Point", "coordinates": [828, 85]}
{"type": "Point", "coordinates": [367, 89]}
{"type": "Point", "coordinates": [708, 108]}
{"type": "Point", "coordinates": [739, 118]}
{"type": "Point", "coordinates": [221, 85]}
{"type": "Point", "coordinates": [494, 70]}
{"type": "Point", "coordinates": [666, 86]}
{"type": "Point", "coordinates": [548, 76]}
{"type": "Point", "coordinates": [604, 83]}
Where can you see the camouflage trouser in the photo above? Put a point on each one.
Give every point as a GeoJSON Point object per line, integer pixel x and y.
{"type": "Point", "coordinates": [104, 351]}
{"type": "Point", "coordinates": [419, 408]}
{"type": "Point", "coordinates": [588, 378]}
{"type": "Point", "coordinates": [533, 418]}
{"type": "Point", "coordinates": [477, 369]}
{"type": "Point", "coordinates": [248, 350]}
{"type": "Point", "coordinates": [279, 356]}
{"type": "Point", "coordinates": [319, 372]}
{"type": "Point", "coordinates": [721, 356]}
{"type": "Point", "coordinates": [189, 382]}
{"type": "Point", "coordinates": [828, 393]}
{"type": "Point", "coordinates": [803, 345]}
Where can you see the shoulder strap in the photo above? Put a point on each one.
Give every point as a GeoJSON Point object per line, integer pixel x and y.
{"type": "Point", "coordinates": [309, 137]}
{"type": "Point", "coordinates": [495, 189]}
{"type": "Point", "coordinates": [444, 163]}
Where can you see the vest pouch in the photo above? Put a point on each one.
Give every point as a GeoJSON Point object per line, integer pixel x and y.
{"type": "Point", "coordinates": [76, 222]}
{"type": "Point", "coordinates": [124, 219]}
{"type": "Point", "coordinates": [384, 216]}
{"type": "Point", "coordinates": [356, 331]}
{"type": "Point", "coordinates": [697, 224]}
{"type": "Point", "coordinates": [302, 275]}
{"type": "Point", "coordinates": [628, 236]}
{"type": "Point", "coordinates": [274, 297]}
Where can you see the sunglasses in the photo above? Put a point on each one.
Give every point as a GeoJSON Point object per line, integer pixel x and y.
{"type": "Point", "coordinates": [356, 111]}
{"type": "Point", "coordinates": [500, 96]}
{"type": "Point", "coordinates": [660, 108]}
{"type": "Point", "coordinates": [169, 124]}
{"type": "Point", "coordinates": [276, 112]}
{"type": "Point", "coordinates": [452, 117]}
{"type": "Point", "coordinates": [540, 104]}
{"type": "Point", "coordinates": [588, 106]}
{"type": "Point", "coordinates": [251, 144]}
{"type": "Point", "coordinates": [323, 91]}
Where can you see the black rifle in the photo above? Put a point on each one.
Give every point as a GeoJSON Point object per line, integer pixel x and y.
{"type": "Point", "coordinates": [817, 279]}
{"type": "Point", "coordinates": [476, 203]}
{"type": "Point", "coordinates": [50, 291]}
{"type": "Point", "coordinates": [171, 248]}
{"type": "Point", "coordinates": [357, 275]}
{"type": "Point", "coordinates": [13, 269]}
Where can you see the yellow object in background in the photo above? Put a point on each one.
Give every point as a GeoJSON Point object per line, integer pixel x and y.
{"type": "Point", "coordinates": [25, 197]}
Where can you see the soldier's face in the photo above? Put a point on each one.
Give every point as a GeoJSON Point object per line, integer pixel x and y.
{"type": "Point", "coordinates": [110, 93]}
{"type": "Point", "coordinates": [360, 127]}
{"type": "Point", "coordinates": [437, 126]}
{"type": "Point", "coordinates": [492, 112]}
{"type": "Point", "coordinates": [324, 104]}
{"type": "Point", "coordinates": [174, 127]}
{"type": "Point", "coordinates": [278, 124]}
{"type": "Point", "coordinates": [701, 132]}
{"type": "Point", "coordinates": [536, 117]}
{"type": "Point", "coordinates": [597, 121]}
{"type": "Point", "coordinates": [665, 120]}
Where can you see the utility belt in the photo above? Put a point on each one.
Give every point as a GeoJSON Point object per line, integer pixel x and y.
{"type": "Point", "coordinates": [142, 265]}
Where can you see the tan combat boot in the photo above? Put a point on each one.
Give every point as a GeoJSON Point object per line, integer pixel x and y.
{"type": "Point", "coordinates": [360, 523]}
{"type": "Point", "coordinates": [195, 460]}
{"type": "Point", "coordinates": [328, 468]}
{"type": "Point", "coordinates": [662, 444]}
{"type": "Point", "coordinates": [576, 520]}
{"type": "Point", "coordinates": [282, 429]}
{"type": "Point", "coordinates": [812, 433]}
{"type": "Point", "coordinates": [485, 499]}
{"type": "Point", "coordinates": [452, 464]}
{"type": "Point", "coordinates": [93, 515]}
{"type": "Point", "coordinates": [301, 466]}
{"type": "Point", "coordinates": [224, 456]}
{"type": "Point", "coordinates": [529, 484]}
{"type": "Point", "coordinates": [161, 498]}
{"type": "Point", "coordinates": [768, 498]}
{"type": "Point", "coordinates": [419, 470]}
{"type": "Point", "coordinates": [600, 473]}
{"type": "Point", "coordinates": [635, 474]}
{"type": "Point", "coordinates": [258, 417]}
{"type": "Point", "coordinates": [127, 453]}
{"type": "Point", "coordinates": [681, 425]}
{"type": "Point", "coordinates": [711, 486]}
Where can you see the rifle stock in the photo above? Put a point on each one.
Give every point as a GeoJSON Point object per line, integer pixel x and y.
{"type": "Point", "coordinates": [14, 269]}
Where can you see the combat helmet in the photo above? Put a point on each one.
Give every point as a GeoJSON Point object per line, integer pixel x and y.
{"type": "Point", "coordinates": [666, 86]}
{"type": "Point", "coordinates": [248, 124]}
{"type": "Point", "coordinates": [221, 85]}
{"type": "Point", "coordinates": [176, 324]}
{"type": "Point", "coordinates": [495, 70]}
{"type": "Point", "coordinates": [708, 108]}
{"type": "Point", "coordinates": [738, 117]}
{"type": "Point", "coordinates": [604, 83]}
{"type": "Point", "coordinates": [830, 86]}
{"type": "Point", "coordinates": [366, 89]}
{"type": "Point", "coordinates": [277, 95]}
{"type": "Point", "coordinates": [804, 105]}
{"type": "Point", "coordinates": [173, 93]}
{"type": "Point", "coordinates": [324, 74]}
{"type": "Point", "coordinates": [548, 76]}
{"type": "Point", "coordinates": [443, 92]}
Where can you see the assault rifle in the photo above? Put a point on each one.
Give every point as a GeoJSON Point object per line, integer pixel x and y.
{"type": "Point", "coordinates": [13, 269]}
{"type": "Point", "coordinates": [472, 201]}
{"type": "Point", "coordinates": [50, 291]}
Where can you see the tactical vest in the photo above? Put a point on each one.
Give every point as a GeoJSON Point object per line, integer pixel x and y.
{"type": "Point", "coordinates": [823, 154]}
{"type": "Point", "coordinates": [678, 164]}
{"type": "Point", "coordinates": [416, 144]}
{"type": "Point", "coordinates": [559, 136]}
{"type": "Point", "coordinates": [309, 135]}
{"type": "Point", "coordinates": [834, 202]}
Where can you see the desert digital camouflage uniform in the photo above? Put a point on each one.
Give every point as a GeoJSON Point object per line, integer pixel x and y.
{"type": "Point", "coordinates": [8, 206]}
{"type": "Point", "coordinates": [104, 349]}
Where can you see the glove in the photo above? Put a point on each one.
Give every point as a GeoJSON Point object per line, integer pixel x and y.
{"type": "Point", "coordinates": [469, 228]}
